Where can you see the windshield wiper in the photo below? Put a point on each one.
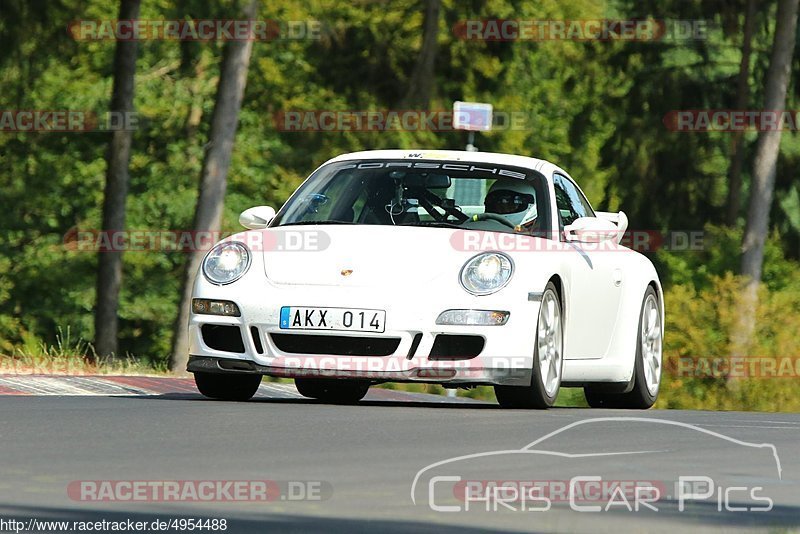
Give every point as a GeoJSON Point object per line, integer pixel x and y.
{"type": "Point", "coordinates": [309, 223]}
{"type": "Point", "coordinates": [435, 224]}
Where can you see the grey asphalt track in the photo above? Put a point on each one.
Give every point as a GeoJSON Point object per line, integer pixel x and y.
{"type": "Point", "coordinates": [366, 458]}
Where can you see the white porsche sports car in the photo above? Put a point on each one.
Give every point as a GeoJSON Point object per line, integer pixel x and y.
{"type": "Point", "coordinates": [447, 267]}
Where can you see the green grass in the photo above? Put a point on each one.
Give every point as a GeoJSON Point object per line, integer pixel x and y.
{"type": "Point", "coordinates": [70, 356]}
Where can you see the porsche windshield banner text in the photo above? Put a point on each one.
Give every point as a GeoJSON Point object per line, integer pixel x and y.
{"type": "Point", "coordinates": [445, 166]}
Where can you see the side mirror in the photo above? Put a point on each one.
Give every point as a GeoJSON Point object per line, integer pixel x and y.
{"type": "Point", "coordinates": [257, 218]}
{"type": "Point", "coordinates": [619, 218]}
{"type": "Point", "coordinates": [591, 230]}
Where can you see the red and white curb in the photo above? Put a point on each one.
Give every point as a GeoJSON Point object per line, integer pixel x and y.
{"type": "Point", "coordinates": [93, 385]}
{"type": "Point", "coordinates": [109, 386]}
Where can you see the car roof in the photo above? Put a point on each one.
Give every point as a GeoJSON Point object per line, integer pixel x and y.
{"type": "Point", "coordinates": [540, 165]}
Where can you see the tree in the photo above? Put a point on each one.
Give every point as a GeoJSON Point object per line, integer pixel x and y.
{"type": "Point", "coordinates": [763, 181]}
{"type": "Point", "coordinates": [742, 97]}
{"type": "Point", "coordinates": [214, 175]}
{"type": "Point", "coordinates": [421, 83]}
{"type": "Point", "coordinates": [109, 272]}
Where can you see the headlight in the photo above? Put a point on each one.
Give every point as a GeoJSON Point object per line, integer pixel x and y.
{"type": "Point", "coordinates": [226, 262]}
{"type": "Point", "coordinates": [486, 273]}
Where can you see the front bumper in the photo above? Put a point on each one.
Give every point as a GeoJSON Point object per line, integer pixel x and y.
{"type": "Point", "coordinates": [438, 374]}
{"type": "Point", "coordinates": [506, 356]}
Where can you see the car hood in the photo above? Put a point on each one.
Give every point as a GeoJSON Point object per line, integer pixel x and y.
{"type": "Point", "coordinates": [345, 255]}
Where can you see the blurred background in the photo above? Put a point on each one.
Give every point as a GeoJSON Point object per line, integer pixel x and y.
{"type": "Point", "coordinates": [600, 108]}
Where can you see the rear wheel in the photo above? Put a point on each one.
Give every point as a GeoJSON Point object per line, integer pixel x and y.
{"type": "Point", "coordinates": [548, 361]}
{"type": "Point", "coordinates": [227, 387]}
{"type": "Point", "coordinates": [647, 366]}
{"type": "Point", "coordinates": [332, 390]}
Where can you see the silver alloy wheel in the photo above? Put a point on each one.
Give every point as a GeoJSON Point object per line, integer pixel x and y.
{"type": "Point", "coordinates": [651, 344]}
{"type": "Point", "coordinates": [549, 343]}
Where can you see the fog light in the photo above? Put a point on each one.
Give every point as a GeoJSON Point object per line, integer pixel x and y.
{"type": "Point", "coordinates": [473, 317]}
{"type": "Point", "coordinates": [215, 307]}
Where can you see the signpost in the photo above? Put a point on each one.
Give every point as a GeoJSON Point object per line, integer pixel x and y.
{"type": "Point", "coordinates": [473, 117]}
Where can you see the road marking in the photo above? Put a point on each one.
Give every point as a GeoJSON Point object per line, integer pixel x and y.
{"type": "Point", "coordinates": [748, 426]}
{"type": "Point", "coordinates": [766, 421]}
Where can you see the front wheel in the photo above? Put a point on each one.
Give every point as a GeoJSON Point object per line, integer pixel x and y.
{"type": "Point", "coordinates": [548, 360]}
{"type": "Point", "coordinates": [227, 386]}
{"type": "Point", "coordinates": [332, 390]}
{"type": "Point", "coordinates": [647, 366]}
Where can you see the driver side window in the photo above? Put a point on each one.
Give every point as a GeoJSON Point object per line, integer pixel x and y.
{"type": "Point", "coordinates": [570, 202]}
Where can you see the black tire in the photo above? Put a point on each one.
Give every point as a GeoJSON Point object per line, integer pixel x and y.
{"type": "Point", "coordinates": [535, 395]}
{"type": "Point", "coordinates": [332, 390]}
{"type": "Point", "coordinates": [638, 398]}
{"type": "Point", "coordinates": [228, 387]}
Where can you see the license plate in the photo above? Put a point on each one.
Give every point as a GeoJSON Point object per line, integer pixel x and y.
{"type": "Point", "coordinates": [352, 319]}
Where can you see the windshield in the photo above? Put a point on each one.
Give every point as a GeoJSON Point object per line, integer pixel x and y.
{"type": "Point", "coordinates": [476, 196]}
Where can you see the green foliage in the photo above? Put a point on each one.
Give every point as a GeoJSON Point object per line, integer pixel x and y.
{"type": "Point", "coordinates": [719, 254]}
{"type": "Point", "coordinates": [699, 323]}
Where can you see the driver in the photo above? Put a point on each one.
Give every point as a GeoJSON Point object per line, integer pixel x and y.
{"type": "Point", "coordinates": [513, 199]}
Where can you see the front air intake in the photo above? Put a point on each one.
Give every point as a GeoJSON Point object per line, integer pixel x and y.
{"type": "Point", "coordinates": [335, 345]}
{"type": "Point", "coordinates": [222, 337]}
{"type": "Point", "coordinates": [456, 347]}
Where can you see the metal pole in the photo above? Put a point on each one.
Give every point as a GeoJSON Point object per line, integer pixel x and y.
{"type": "Point", "coordinates": [471, 142]}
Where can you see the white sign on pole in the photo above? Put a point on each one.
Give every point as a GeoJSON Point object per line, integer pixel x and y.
{"type": "Point", "coordinates": [472, 116]}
